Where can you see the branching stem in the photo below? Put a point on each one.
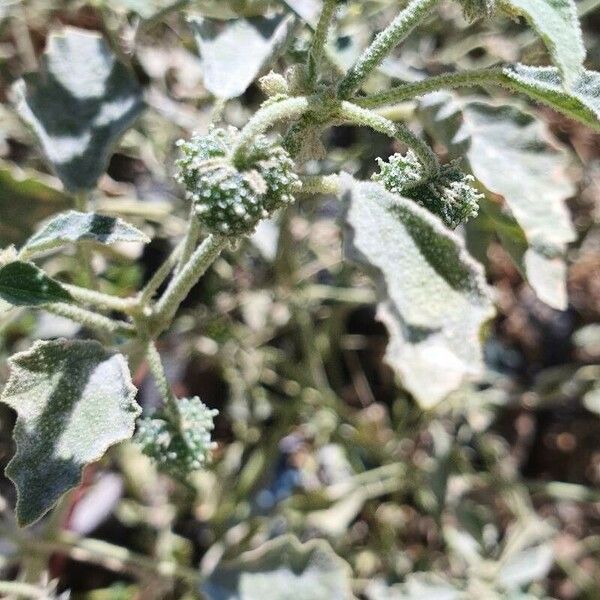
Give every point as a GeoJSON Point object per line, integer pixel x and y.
{"type": "Point", "coordinates": [90, 319]}
{"type": "Point", "coordinates": [362, 116]}
{"type": "Point", "coordinates": [383, 44]}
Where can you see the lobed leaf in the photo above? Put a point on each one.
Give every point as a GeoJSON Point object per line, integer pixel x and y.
{"type": "Point", "coordinates": [434, 299]}
{"type": "Point", "coordinates": [557, 24]}
{"type": "Point", "coordinates": [78, 105]}
{"type": "Point", "coordinates": [282, 568]}
{"type": "Point", "coordinates": [581, 101]}
{"type": "Point", "coordinates": [73, 226]}
{"type": "Point", "coordinates": [511, 154]}
{"type": "Point", "coordinates": [24, 284]}
{"type": "Point", "coordinates": [234, 53]}
{"type": "Point", "coordinates": [74, 400]}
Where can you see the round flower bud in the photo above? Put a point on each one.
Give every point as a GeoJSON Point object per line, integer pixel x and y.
{"type": "Point", "coordinates": [449, 195]}
{"type": "Point", "coordinates": [230, 199]}
{"type": "Point", "coordinates": [180, 443]}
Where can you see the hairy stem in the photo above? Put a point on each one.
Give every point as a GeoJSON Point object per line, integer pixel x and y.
{"type": "Point", "coordinates": [90, 319]}
{"type": "Point", "coordinates": [100, 300]}
{"type": "Point", "coordinates": [158, 372]}
{"type": "Point", "coordinates": [362, 116]}
{"type": "Point", "coordinates": [190, 241]}
{"type": "Point", "coordinates": [438, 82]}
{"type": "Point", "coordinates": [289, 109]}
{"type": "Point", "coordinates": [383, 44]}
{"type": "Point", "coordinates": [181, 285]}
{"type": "Point", "coordinates": [320, 184]}
{"type": "Point", "coordinates": [160, 275]}
{"type": "Point", "coordinates": [317, 48]}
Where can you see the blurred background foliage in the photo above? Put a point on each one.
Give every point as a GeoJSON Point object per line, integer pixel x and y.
{"type": "Point", "coordinates": [492, 493]}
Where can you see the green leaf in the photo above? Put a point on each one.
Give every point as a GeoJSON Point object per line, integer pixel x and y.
{"type": "Point", "coordinates": [30, 198]}
{"type": "Point", "coordinates": [234, 53]}
{"type": "Point", "coordinates": [75, 226]}
{"type": "Point", "coordinates": [434, 296]}
{"type": "Point", "coordinates": [78, 105]}
{"type": "Point", "coordinates": [74, 400]}
{"type": "Point", "coordinates": [282, 568]}
{"type": "Point", "coordinates": [581, 101]}
{"type": "Point", "coordinates": [24, 284]}
{"type": "Point", "coordinates": [510, 154]}
{"type": "Point", "coordinates": [557, 24]}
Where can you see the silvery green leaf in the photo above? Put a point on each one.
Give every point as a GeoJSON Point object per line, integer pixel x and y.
{"type": "Point", "coordinates": [418, 586]}
{"type": "Point", "coordinates": [74, 400]}
{"type": "Point", "coordinates": [234, 53]}
{"type": "Point", "coordinates": [510, 153]}
{"type": "Point", "coordinates": [309, 10]}
{"type": "Point", "coordinates": [30, 198]}
{"type": "Point", "coordinates": [557, 24]}
{"type": "Point", "coordinates": [78, 105]}
{"type": "Point", "coordinates": [581, 101]}
{"type": "Point", "coordinates": [434, 299]}
{"type": "Point", "coordinates": [282, 568]}
{"type": "Point", "coordinates": [525, 567]}
{"type": "Point", "coordinates": [24, 284]}
{"type": "Point", "coordinates": [73, 226]}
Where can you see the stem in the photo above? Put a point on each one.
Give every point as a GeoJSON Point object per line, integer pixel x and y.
{"type": "Point", "coordinates": [90, 319]}
{"type": "Point", "coordinates": [190, 242]}
{"type": "Point", "coordinates": [156, 367]}
{"type": "Point", "coordinates": [317, 48]}
{"type": "Point", "coordinates": [320, 184]}
{"type": "Point", "coordinates": [289, 109]}
{"type": "Point", "coordinates": [181, 285]}
{"type": "Point", "coordinates": [362, 116]}
{"type": "Point", "coordinates": [445, 81]}
{"type": "Point", "coordinates": [383, 44]}
{"type": "Point", "coordinates": [100, 300]}
{"type": "Point", "coordinates": [160, 275]}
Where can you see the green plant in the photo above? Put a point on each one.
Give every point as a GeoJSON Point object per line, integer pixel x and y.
{"type": "Point", "coordinates": [433, 296]}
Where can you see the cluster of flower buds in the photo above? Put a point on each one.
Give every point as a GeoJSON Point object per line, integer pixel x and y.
{"type": "Point", "coordinates": [449, 194]}
{"type": "Point", "coordinates": [179, 443]}
{"type": "Point", "coordinates": [230, 197]}
{"type": "Point", "coordinates": [477, 9]}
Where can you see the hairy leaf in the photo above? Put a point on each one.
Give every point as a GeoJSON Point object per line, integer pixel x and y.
{"type": "Point", "coordinates": [74, 226]}
{"type": "Point", "coordinates": [27, 198]}
{"type": "Point", "coordinates": [418, 586]}
{"type": "Point", "coordinates": [283, 568]}
{"type": "Point", "coordinates": [434, 296]}
{"type": "Point", "coordinates": [581, 101]}
{"type": "Point", "coordinates": [309, 10]}
{"type": "Point", "coordinates": [73, 399]}
{"type": "Point", "coordinates": [24, 284]}
{"type": "Point", "coordinates": [79, 104]}
{"type": "Point", "coordinates": [557, 24]}
{"type": "Point", "coordinates": [510, 154]}
{"type": "Point", "coordinates": [235, 52]}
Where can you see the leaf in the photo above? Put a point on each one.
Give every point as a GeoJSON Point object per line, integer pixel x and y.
{"type": "Point", "coordinates": [557, 24]}
{"type": "Point", "coordinates": [527, 566]}
{"type": "Point", "coordinates": [78, 105]}
{"type": "Point", "coordinates": [283, 568]}
{"type": "Point", "coordinates": [512, 155]}
{"type": "Point", "coordinates": [30, 198]}
{"type": "Point", "coordinates": [434, 299]}
{"type": "Point", "coordinates": [309, 10]}
{"type": "Point", "coordinates": [581, 101]}
{"type": "Point", "coordinates": [24, 284]}
{"type": "Point", "coordinates": [418, 586]}
{"type": "Point", "coordinates": [235, 52]}
{"type": "Point", "coordinates": [75, 226]}
{"type": "Point", "coordinates": [74, 400]}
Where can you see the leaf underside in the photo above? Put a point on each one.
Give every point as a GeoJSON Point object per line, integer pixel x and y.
{"type": "Point", "coordinates": [78, 105]}
{"type": "Point", "coordinates": [73, 226]}
{"type": "Point", "coordinates": [73, 400]}
{"type": "Point", "coordinates": [434, 299]}
{"type": "Point", "coordinates": [283, 568]}
{"type": "Point", "coordinates": [234, 53]}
